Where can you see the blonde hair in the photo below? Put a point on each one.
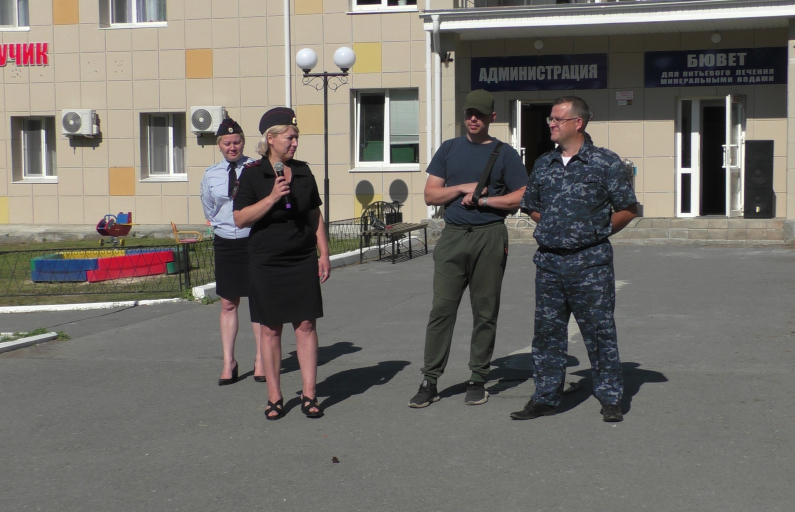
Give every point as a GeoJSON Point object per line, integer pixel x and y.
{"type": "Point", "coordinates": [242, 137]}
{"type": "Point", "coordinates": [262, 146]}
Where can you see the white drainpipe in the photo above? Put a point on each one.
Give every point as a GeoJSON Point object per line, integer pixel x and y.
{"type": "Point", "coordinates": [437, 78]}
{"type": "Point", "coordinates": [428, 103]}
{"type": "Point", "coordinates": [288, 100]}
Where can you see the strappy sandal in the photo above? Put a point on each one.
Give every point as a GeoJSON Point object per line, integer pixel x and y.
{"type": "Point", "coordinates": [307, 404]}
{"type": "Point", "coordinates": [278, 407]}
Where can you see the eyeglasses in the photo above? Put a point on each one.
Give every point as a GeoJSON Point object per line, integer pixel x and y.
{"type": "Point", "coordinates": [557, 121]}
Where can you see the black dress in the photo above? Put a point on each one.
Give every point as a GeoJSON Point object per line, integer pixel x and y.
{"type": "Point", "coordinates": [283, 283]}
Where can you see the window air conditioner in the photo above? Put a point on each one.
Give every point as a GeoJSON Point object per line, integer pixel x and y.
{"type": "Point", "coordinates": [206, 119]}
{"type": "Point", "coordinates": [79, 122]}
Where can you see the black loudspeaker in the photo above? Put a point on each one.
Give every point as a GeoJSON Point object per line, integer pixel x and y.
{"type": "Point", "coordinates": [759, 197]}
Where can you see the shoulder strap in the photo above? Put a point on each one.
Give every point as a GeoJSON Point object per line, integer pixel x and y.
{"type": "Point", "coordinates": [484, 178]}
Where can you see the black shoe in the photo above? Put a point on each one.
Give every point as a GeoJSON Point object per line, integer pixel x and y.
{"type": "Point", "coordinates": [533, 410]}
{"type": "Point", "coordinates": [224, 382]}
{"type": "Point", "coordinates": [425, 396]}
{"type": "Point", "coordinates": [476, 393]}
{"type": "Point", "coordinates": [257, 378]}
{"type": "Point", "coordinates": [611, 413]}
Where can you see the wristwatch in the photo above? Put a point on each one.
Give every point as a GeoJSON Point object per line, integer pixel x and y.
{"type": "Point", "coordinates": [485, 201]}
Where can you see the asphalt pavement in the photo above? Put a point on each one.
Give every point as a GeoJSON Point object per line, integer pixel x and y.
{"type": "Point", "coordinates": [127, 416]}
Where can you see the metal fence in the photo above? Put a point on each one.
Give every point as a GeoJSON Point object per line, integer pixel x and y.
{"type": "Point", "coordinates": [168, 268]}
{"type": "Point", "coordinates": [151, 269]}
{"type": "Point", "coordinates": [344, 235]}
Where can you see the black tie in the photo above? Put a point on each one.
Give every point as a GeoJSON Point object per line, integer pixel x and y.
{"type": "Point", "coordinates": [232, 180]}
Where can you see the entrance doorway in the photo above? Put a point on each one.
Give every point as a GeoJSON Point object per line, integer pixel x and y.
{"type": "Point", "coordinates": [710, 144]}
{"type": "Point", "coordinates": [713, 175]}
{"type": "Point", "coordinates": [530, 131]}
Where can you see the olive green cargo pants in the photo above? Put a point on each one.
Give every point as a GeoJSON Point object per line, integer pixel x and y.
{"type": "Point", "coordinates": [474, 257]}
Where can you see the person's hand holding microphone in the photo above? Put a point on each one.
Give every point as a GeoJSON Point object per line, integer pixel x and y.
{"type": "Point", "coordinates": [281, 188]}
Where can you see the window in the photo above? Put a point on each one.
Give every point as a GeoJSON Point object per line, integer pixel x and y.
{"type": "Point", "coordinates": [377, 5]}
{"type": "Point", "coordinates": [131, 12]}
{"type": "Point", "coordinates": [33, 148]}
{"type": "Point", "coordinates": [14, 13]}
{"type": "Point", "coordinates": [388, 128]}
{"type": "Point", "coordinates": [163, 146]}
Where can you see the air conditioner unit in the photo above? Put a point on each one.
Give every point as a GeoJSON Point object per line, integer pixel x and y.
{"type": "Point", "coordinates": [206, 119]}
{"type": "Point", "coordinates": [79, 122]}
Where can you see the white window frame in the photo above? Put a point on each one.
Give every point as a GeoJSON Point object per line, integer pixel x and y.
{"type": "Point", "coordinates": [173, 174]}
{"type": "Point", "coordinates": [383, 6]}
{"type": "Point", "coordinates": [106, 16]}
{"type": "Point", "coordinates": [21, 164]}
{"type": "Point", "coordinates": [16, 8]}
{"type": "Point", "coordinates": [383, 165]}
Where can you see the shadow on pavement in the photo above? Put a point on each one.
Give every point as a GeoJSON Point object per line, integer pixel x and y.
{"type": "Point", "coordinates": [345, 384]}
{"type": "Point", "coordinates": [514, 370]}
{"type": "Point", "coordinates": [634, 378]}
{"type": "Point", "coordinates": [324, 355]}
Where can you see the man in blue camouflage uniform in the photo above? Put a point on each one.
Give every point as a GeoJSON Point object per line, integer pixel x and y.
{"type": "Point", "coordinates": [578, 195]}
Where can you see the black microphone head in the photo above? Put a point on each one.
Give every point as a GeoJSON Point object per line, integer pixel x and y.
{"type": "Point", "coordinates": [279, 168]}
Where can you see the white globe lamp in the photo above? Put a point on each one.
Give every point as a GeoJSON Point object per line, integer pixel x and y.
{"type": "Point", "coordinates": [306, 59]}
{"type": "Point", "coordinates": [344, 58]}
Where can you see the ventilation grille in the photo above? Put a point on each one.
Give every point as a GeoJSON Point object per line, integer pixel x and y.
{"type": "Point", "coordinates": [72, 122]}
{"type": "Point", "coordinates": [202, 119]}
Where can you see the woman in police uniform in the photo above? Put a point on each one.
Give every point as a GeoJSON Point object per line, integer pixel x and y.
{"type": "Point", "coordinates": [230, 244]}
{"type": "Point", "coordinates": [279, 199]}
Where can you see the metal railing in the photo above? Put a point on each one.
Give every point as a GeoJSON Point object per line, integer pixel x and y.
{"type": "Point", "coordinates": [124, 270]}
{"type": "Point", "coordinates": [168, 268]}
{"type": "Point", "coordinates": [344, 235]}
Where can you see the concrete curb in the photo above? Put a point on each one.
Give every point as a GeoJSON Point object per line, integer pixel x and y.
{"type": "Point", "coordinates": [83, 307]}
{"type": "Point", "coordinates": [8, 346]}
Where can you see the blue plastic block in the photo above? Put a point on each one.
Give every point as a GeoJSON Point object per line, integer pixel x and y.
{"type": "Point", "coordinates": [48, 277]}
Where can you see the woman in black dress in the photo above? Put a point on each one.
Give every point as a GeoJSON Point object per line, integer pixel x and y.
{"type": "Point", "coordinates": [285, 272]}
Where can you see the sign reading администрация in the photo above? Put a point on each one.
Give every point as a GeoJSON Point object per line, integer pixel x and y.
{"type": "Point", "coordinates": [740, 66]}
{"type": "Point", "coordinates": [540, 72]}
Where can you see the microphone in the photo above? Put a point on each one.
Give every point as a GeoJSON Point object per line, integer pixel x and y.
{"type": "Point", "coordinates": [279, 168]}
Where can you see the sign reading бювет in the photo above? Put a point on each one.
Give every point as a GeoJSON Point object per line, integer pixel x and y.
{"type": "Point", "coordinates": [693, 68]}
{"type": "Point", "coordinates": [25, 54]}
{"type": "Point", "coordinates": [540, 72]}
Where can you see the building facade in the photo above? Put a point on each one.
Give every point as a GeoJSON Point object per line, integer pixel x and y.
{"type": "Point", "coordinates": [686, 91]}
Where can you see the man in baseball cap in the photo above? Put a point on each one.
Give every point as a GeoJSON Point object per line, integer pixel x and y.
{"type": "Point", "coordinates": [473, 249]}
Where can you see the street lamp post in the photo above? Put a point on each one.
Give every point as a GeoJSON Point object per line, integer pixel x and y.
{"type": "Point", "coordinates": [306, 59]}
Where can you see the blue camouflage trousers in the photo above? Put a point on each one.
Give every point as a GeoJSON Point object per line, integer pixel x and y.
{"type": "Point", "coordinates": [582, 283]}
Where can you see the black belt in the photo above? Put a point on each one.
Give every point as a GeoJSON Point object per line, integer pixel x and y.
{"type": "Point", "coordinates": [569, 252]}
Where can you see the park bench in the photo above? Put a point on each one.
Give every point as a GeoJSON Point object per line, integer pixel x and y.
{"type": "Point", "coordinates": [384, 222]}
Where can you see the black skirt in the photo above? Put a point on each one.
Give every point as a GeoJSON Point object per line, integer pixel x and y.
{"type": "Point", "coordinates": [285, 291]}
{"type": "Point", "coordinates": [231, 267]}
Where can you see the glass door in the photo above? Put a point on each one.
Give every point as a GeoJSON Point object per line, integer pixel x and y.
{"type": "Point", "coordinates": [688, 169]}
{"type": "Point", "coordinates": [733, 154]}
{"type": "Point", "coordinates": [516, 128]}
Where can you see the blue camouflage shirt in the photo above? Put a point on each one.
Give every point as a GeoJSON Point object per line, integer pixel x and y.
{"type": "Point", "coordinates": [577, 200]}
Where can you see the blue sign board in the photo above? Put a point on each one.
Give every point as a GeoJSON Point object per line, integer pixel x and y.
{"type": "Point", "coordinates": [694, 68]}
{"type": "Point", "coordinates": [540, 72]}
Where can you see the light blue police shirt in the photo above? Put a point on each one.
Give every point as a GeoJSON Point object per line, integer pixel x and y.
{"type": "Point", "coordinates": [215, 199]}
